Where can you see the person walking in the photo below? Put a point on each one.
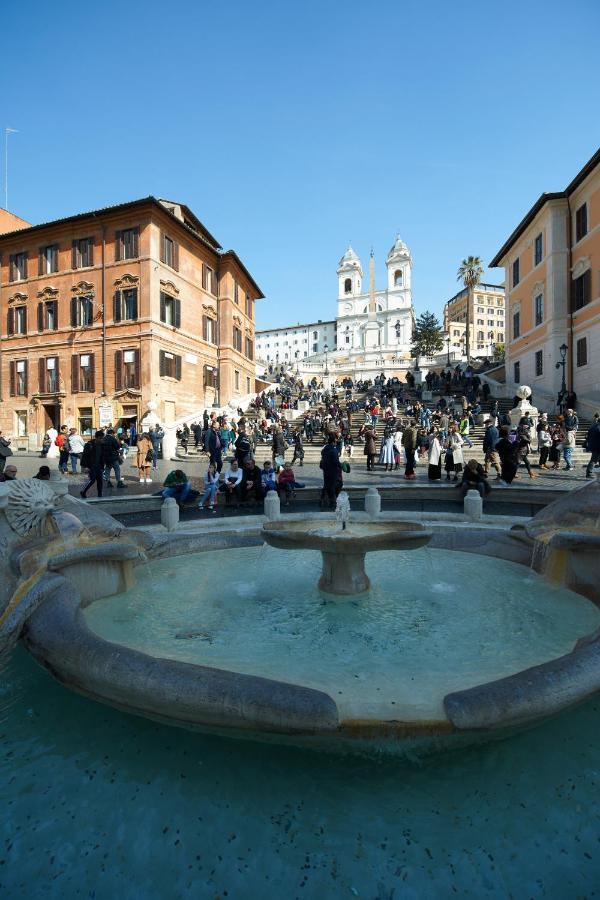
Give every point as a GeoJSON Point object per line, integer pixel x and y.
{"type": "Point", "coordinates": [91, 459]}
{"type": "Point", "coordinates": [369, 448]}
{"type": "Point", "coordinates": [409, 442]}
{"type": "Point", "coordinates": [144, 458]}
{"type": "Point", "coordinates": [298, 448]}
{"type": "Point", "coordinates": [112, 458]}
{"type": "Point", "coordinates": [62, 442]}
{"type": "Point", "coordinates": [214, 446]}
{"type": "Point", "coordinates": [332, 473]}
{"type": "Point", "coordinates": [76, 445]}
{"type": "Point", "coordinates": [491, 436]}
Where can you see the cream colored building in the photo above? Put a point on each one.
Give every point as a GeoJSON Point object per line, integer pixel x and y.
{"type": "Point", "coordinates": [487, 323]}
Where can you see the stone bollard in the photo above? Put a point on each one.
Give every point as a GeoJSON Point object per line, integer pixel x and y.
{"type": "Point", "coordinates": [272, 506]}
{"type": "Point", "coordinates": [473, 507]}
{"type": "Point", "coordinates": [372, 502]}
{"type": "Point", "coordinates": [169, 514]}
{"type": "Point", "coordinates": [58, 483]}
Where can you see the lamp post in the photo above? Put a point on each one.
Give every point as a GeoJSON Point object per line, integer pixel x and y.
{"type": "Point", "coordinates": [563, 387]}
{"type": "Point", "coordinates": [326, 350]}
{"type": "Point", "coordinates": [447, 342]}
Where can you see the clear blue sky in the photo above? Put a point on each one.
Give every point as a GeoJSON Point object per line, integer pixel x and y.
{"type": "Point", "coordinates": [290, 128]}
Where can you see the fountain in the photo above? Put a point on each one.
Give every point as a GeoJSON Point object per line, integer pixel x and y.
{"type": "Point", "coordinates": [415, 664]}
{"type": "Point", "coordinates": [343, 549]}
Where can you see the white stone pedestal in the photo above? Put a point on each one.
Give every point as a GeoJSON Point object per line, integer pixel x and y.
{"type": "Point", "coordinates": [272, 506]}
{"type": "Point", "coordinates": [372, 502]}
{"type": "Point", "coordinates": [473, 507]}
{"type": "Point", "coordinates": [169, 514]}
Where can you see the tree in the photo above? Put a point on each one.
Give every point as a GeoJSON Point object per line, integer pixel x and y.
{"type": "Point", "coordinates": [427, 339]}
{"type": "Point", "coordinates": [499, 352]}
{"type": "Point", "coordinates": [469, 272]}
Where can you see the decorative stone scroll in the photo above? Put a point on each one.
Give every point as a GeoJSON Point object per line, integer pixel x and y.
{"type": "Point", "coordinates": [126, 281]}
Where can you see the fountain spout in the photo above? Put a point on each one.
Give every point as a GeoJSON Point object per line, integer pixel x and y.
{"type": "Point", "coordinates": [342, 509]}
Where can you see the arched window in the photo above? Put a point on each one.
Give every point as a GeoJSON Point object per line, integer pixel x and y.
{"type": "Point", "coordinates": [348, 286]}
{"type": "Point", "coordinates": [398, 278]}
{"type": "Point", "coordinates": [315, 335]}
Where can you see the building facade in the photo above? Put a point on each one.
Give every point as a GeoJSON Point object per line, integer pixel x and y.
{"type": "Point", "coordinates": [552, 265]}
{"type": "Point", "coordinates": [487, 320]}
{"type": "Point", "coordinates": [286, 346]}
{"type": "Point", "coordinates": [105, 312]}
{"type": "Point", "coordinates": [372, 330]}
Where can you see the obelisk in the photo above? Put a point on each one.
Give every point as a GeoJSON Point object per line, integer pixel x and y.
{"type": "Point", "coordinates": [372, 327]}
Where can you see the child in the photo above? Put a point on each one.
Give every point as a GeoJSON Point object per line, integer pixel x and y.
{"type": "Point", "coordinates": [267, 477]}
{"type": "Point", "coordinates": [286, 482]}
{"type": "Point", "coordinates": [211, 483]}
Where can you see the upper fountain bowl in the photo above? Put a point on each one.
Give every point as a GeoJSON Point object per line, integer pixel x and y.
{"type": "Point", "coordinates": [359, 537]}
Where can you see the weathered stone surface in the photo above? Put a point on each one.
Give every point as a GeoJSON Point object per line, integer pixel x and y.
{"type": "Point", "coordinates": [178, 692]}
{"type": "Point", "coordinates": [577, 510]}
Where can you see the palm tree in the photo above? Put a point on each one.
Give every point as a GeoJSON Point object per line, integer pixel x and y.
{"type": "Point", "coordinates": [470, 272]}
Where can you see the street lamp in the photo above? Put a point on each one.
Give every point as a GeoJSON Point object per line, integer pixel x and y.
{"type": "Point", "coordinates": [563, 387]}
{"type": "Point", "coordinates": [447, 342]}
{"type": "Point", "coordinates": [326, 349]}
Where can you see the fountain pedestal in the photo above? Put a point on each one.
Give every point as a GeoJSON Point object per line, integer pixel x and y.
{"type": "Point", "coordinates": [344, 574]}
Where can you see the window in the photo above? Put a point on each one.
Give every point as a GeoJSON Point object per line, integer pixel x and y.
{"type": "Point", "coordinates": [480, 321]}
{"type": "Point", "coordinates": [348, 286]}
{"type": "Point", "coordinates": [127, 369]}
{"type": "Point", "coordinates": [48, 260]}
{"type": "Point", "coordinates": [209, 280]}
{"type": "Point", "coordinates": [582, 290]}
{"type": "Point", "coordinates": [209, 330]}
{"type": "Point", "coordinates": [236, 293]}
{"type": "Point", "coordinates": [582, 352]}
{"type": "Point", "coordinates": [315, 348]}
{"type": "Point", "coordinates": [480, 310]}
{"type": "Point", "coordinates": [581, 224]}
{"type": "Point", "coordinates": [539, 362]}
{"type": "Point", "coordinates": [210, 376]}
{"type": "Point", "coordinates": [48, 375]}
{"type": "Point", "coordinates": [170, 310]}
{"type": "Point", "coordinates": [480, 335]}
{"type": "Point", "coordinates": [17, 320]}
{"type": "Point", "coordinates": [516, 325]}
{"type": "Point", "coordinates": [169, 252]}
{"type": "Point", "coordinates": [21, 417]}
{"type": "Point", "coordinates": [249, 306]}
{"type": "Point", "coordinates": [456, 332]}
{"type": "Point", "coordinates": [127, 244]}
{"type": "Point", "coordinates": [500, 338]}
{"type": "Point", "coordinates": [48, 315]}
{"type": "Point", "coordinates": [125, 306]}
{"type": "Point", "coordinates": [315, 335]}
{"type": "Point", "coordinates": [82, 311]}
{"type": "Point", "coordinates": [83, 253]}
{"type": "Point", "coordinates": [236, 380]}
{"type": "Point", "coordinates": [237, 339]}
{"type": "Point", "coordinates": [539, 309]}
{"type": "Point", "coordinates": [249, 348]}
{"type": "Point", "coordinates": [538, 248]}
{"type": "Point", "coordinates": [491, 322]}
{"type": "Point", "coordinates": [515, 273]}
{"type": "Point", "coordinates": [18, 378]}
{"type": "Point", "coordinates": [517, 372]}
{"type": "Point", "coordinates": [18, 267]}
{"type": "Point", "coordinates": [169, 365]}
{"type": "Point", "coordinates": [82, 372]}
{"type": "Point", "coordinates": [398, 278]}
{"type": "Point", "coordinates": [86, 421]}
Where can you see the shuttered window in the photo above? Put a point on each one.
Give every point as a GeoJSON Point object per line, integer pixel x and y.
{"type": "Point", "coordinates": [17, 268]}
{"type": "Point", "coordinates": [48, 259]}
{"type": "Point", "coordinates": [48, 375]}
{"type": "Point", "coordinates": [249, 348]}
{"type": "Point", "coordinates": [82, 253]}
{"type": "Point", "coordinates": [19, 378]}
{"type": "Point", "coordinates": [125, 305]}
{"type": "Point", "coordinates": [210, 376]}
{"type": "Point", "coordinates": [82, 373]}
{"type": "Point", "coordinates": [581, 222]}
{"type": "Point", "coordinates": [82, 311]}
{"type": "Point", "coordinates": [170, 310]}
{"type": "Point", "coordinates": [127, 244]}
{"type": "Point", "coordinates": [127, 369]}
{"type": "Point", "coordinates": [47, 313]}
{"type": "Point", "coordinates": [209, 330]}
{"type": "Point", "coordinates": [17, 320]}
{"type": "Point", "coordinates": [582, 356]}
{"type": "Point", "coordinates": [169, 365]}
{"type": "Point", "coordinates": [516, 277]}
{"type": "Point", "coordinates": [169, 252]}
{"type": "Point", "coordinates": [237, 339]}
{"type": "Point", "coordinates": [582, 290]}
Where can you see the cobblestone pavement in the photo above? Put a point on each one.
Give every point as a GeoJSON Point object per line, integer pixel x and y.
{"type": "Point", "coordinates": [309, 474]}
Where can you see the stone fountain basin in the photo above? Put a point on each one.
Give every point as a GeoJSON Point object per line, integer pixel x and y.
{"type": "Point", "coordinates": [359, 537]}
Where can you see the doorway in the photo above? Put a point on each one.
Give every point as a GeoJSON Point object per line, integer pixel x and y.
{"type": "Point", "coordinates": [51, 414]}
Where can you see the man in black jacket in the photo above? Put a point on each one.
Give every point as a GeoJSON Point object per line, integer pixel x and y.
{"type": "Point", "coordinates": [332, 472]}
{"type": "Point", "coordinates": [251, 481]}
{"type": "Point", "coordinates": [214, 446]}
{"type": "Point", "coordinates": [92, 459]}
{"type": "Point", "coordinates": [111, 458]}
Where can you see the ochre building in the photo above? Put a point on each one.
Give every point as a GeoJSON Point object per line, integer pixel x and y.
{"type": "Point", "coordinates": [552, 265]}
{"type": "Point", "coordinates": [105, 312]}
